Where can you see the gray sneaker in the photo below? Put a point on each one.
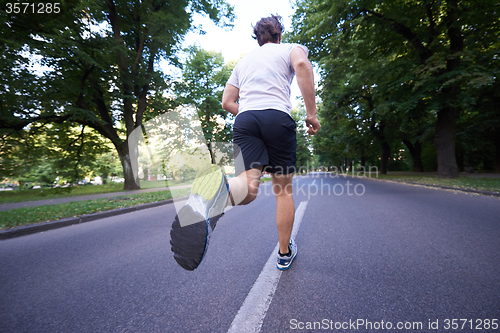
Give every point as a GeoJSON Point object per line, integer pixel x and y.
{"type": "Point", "coordinates": [195, 221]}
{"type": "Point", "coordinates": [284, 261]}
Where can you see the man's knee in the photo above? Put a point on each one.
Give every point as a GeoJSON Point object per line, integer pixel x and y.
{"type": "Point", "coordinates": [282, 185]}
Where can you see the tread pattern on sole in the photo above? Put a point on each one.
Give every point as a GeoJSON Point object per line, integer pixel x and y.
{"type": "Point", "coordinates": [189, 243]}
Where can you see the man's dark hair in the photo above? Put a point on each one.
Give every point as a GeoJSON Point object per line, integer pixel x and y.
{"type": "Point", "coordinates": [268, 29]}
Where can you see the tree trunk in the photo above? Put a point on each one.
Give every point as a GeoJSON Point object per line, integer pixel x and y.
{"type": "Point", "coordinates": [104, 177]}
{"type": "Point", "coordinates": [212, 153]}
{"type": "Point", "coordinates": [128, 160]}
{"type": "Point", "coordinates": [386, 154]}
{"type": "Point", "coordinates": [386, 148]}
{"type": "Point", "coordinates": [444, 141]}
{"type": "Point", "coordinates": [363, 165]}
{"type": "Point", "coordinates": [415, 152]}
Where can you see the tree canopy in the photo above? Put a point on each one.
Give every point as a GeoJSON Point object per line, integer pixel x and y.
{"type": "Point", "coordinates": [204, 76]}
{"type": "Point", "coordinates": [101, 64]}
{"type": "Point", "coordinates": [403, 72]}
{"type": "Point", "coordinates": [401, 80]}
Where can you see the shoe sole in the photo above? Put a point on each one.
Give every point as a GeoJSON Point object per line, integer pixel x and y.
{"type": "Point", "coordinates": [189, 241]}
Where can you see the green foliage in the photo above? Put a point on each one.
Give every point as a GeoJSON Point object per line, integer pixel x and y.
{"type": "Point", "coordinates": [101, 64]}
{"type": "Point", "coordinates": [403, 71]}
{"type": "Point", "coordinates": [204, 76]}
{"type": "Point", "coordinates": [55, 151]}
{"type": "Point", "coordinates": [429, 157]}
{"type": "Point", "coordinates": [304, 144]}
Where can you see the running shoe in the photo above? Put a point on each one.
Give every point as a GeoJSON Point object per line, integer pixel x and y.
{"type": "Point", "coordinates": [285, 261]}
{"type": "Point", "coordinates": [195, 221]}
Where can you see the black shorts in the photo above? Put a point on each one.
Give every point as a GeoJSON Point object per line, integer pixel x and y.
{"type": "Point", "coordinates": [265, 138]}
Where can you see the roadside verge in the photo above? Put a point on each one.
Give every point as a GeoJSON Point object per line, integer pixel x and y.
{"type": "Point", "coordinates": [45, 226]}
{"type": "Point", "coordinates": [467, 190]}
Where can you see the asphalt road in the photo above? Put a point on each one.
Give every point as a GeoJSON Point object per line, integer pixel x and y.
{"type": "Point", "coordinates": [386, 254]}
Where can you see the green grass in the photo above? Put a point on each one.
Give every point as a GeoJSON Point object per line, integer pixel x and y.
{"type": "Point", "coordinates": [54, 193]}
{"type": "Point", "coordinates": [63, 192]}
{"type": "Point", "coordinates": [23, 216]}
{"type": "Point", "coordinates": [462, 182]}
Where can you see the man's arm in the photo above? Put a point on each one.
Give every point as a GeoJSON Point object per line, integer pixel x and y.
{"type": "Point", "coordinates": [230, 96]}
{"type": "Point", "coordinates": [305, 80]}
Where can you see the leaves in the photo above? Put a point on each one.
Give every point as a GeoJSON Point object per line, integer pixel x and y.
{"type": "Point", "coordinates": [101, 61]}
{"type": "Point", "coordinates": [204, 76]}
{"type": "Point", "coordinates": [399, 63]}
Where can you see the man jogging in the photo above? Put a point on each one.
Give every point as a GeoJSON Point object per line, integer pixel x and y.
{"type": "Point", "coordinates": [258, 94]}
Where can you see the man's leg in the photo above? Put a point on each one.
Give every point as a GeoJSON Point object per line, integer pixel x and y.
{"type": "Point", "coordinates": [285, 209]}
{"type": "Point", "coordinates": [244, 188]}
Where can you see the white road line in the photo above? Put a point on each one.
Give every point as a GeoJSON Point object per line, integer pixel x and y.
{"type": "Point", "coordinates": [251, 315]}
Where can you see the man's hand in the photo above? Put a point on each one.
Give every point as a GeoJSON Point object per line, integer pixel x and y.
{"type": "Point", "coordinates": [312, 124]}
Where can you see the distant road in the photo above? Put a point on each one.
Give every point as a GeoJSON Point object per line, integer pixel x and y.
{"type": "Point", "coordinates": [370, 253]}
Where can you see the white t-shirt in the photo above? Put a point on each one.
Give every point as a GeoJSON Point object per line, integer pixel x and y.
{"type": "Point", "coordinates": [264, 76]}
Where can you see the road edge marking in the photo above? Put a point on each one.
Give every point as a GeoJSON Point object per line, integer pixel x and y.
{"type": "Point", "coordinates": [252, 313]}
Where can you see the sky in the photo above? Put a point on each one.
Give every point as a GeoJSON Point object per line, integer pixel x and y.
{"type": "Point", "coordinates": [235, 42]}
{"type": "Point", "coordinates": [239, 40]}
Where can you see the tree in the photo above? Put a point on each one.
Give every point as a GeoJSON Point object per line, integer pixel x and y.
{"type": "Point", "coordinates": [102, 58]}
{"type": "Point", "coordinates": [204, 76]}
{"type": "Point", "coordinates": [18, 157]}
{"type": "Point", "coordinates": [304, 144]}
{"type": "Point", "coordinates": [74, 151]}
{"type": "Point", "coordinates": [40, 154]}
{"type": "Point", "coordinates": [430, 54]}
{"type": "Point", "coordinates": [353, 112]}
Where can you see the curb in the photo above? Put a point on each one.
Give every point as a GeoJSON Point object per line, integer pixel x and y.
{"type": "Point", "coordinates": [45, 226]}
{"type": "Point", "coordinates": [494, 194]}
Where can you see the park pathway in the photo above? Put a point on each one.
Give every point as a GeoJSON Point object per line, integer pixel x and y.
{"type": "Point", "coordinates": [36, 203]}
